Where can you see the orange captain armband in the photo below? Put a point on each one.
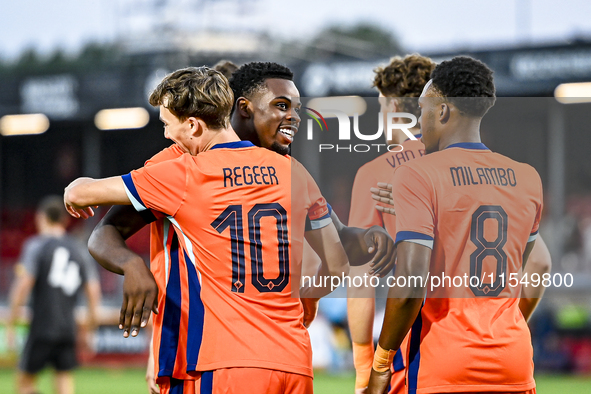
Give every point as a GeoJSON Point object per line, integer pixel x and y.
{"type": "Point", "coordinates": [382, 359]}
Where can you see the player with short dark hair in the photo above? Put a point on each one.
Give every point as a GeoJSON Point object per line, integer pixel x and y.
{"type": "Point", "coordinates": [447, 225]}
{"type": "Point", "coordinates": [249, 331]}
{"type": "Point", "coordinates": [53, 267]}
{"type": "Point", "coordinates": [399, 84]}
{"type": "Point", "coordinates": [107, 241]}
{"type": "Point", "coordinates": [266, 112]}
{"type": "Point", "coordinates": [468, 86]}
{"type": "Point", "coordinates": [252, 80]}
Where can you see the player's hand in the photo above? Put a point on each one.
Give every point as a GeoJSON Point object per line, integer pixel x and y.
{"type": "Point", "coordinates": [379, 381]}
{"type": "Point", "coordinates": [152, 386]}
{"type": "Point", "coordinates": [89, 342]}
{"type": "Point", "coordinates": [361, 391]}
{"type": "Point", "coordinates": [75, 210]}
{"type": "Point", "coordinates": [310, 310]}
{"type": "Point", "coordinates": [140, 298]}
{"type": "Point", "coordinates": [383, 194]}
{"type": "Point", "coordinates": [150, 378]}
{"type": "Point", "coordinates": [11, 338]}
{"type": "Point", "coordinates": [379, 241]}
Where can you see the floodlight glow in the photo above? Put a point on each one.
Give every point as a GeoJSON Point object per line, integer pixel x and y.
{"type": "Point", "coordinates": [573, 93]}
{"type": "Point", "coordinates": [121, 118]}
{"type": "Point", "coordinates": [350, 105]}
{"type": "Point", "coordinates": [25, 124]}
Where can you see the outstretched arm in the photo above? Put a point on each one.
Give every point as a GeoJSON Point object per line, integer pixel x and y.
{"type": "Point", "coordinates": [140, 293]}
{"type": "Point", "coordinates": [84, 193]}
{"type": "Point", "coordinates": [19, 293]}
{"type": "Point", "coordinates": [325, 242]}
{"type": "Point", "coordinates": [107, 245]}
{"type": "Point", "coordinates": [539, 262]}
{"type": "Point", "coordinates": [402, 307]}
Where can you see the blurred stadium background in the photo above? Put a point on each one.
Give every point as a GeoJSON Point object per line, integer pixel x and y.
{"type": "Point", "coordinates": [73, 135]}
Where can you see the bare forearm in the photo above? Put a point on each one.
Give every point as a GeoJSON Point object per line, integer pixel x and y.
{"type": "Point", "coordinates": [399, 317]}
{"type": "Point", "coordinates": [325, 242]}
{"type": "Point", "coordinates": [18, 295]}
{"type": "Point", "coordinates": [108, 248]}
{"type": "Point", "coordinates": [404, 303]}
{"type": "Point", "coordinates": [93, 295]}
{"type": "Point", "coordinates": [538, 262]}
{"type": "Point", "coordinates": [85, 192]}
{"type": "Point", "coordinates": [352, 240]}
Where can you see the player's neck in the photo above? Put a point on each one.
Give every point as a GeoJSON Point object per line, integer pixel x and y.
{"type": "Point", "coordinates": [399, 136]}
{"type": "Point", "coordinates": [464, 130]}
{"type": "Point", "coordinates": [219, 136]}
{"type": "Point", "coordinates": [52, 230]}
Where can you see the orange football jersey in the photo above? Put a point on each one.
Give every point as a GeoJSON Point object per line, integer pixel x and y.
{"type": "Point", "coordinates": [477, 210]}
{"type": "Point", "coordinates": [171, 275]}
{"type": "Point", "coordinates": [363, 213]}
{"type": "Point", "coordinates": [232, 210]}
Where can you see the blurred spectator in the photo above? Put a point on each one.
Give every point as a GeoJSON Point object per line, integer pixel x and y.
{"type": "Point", "coordinates": [53, 267]}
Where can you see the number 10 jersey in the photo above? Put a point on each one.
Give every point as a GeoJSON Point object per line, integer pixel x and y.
{"type": "Point", "coordinates": [237, 222]}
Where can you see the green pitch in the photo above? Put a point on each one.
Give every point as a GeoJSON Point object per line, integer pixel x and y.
{"type": "Point", "coordinates": [131, 381]}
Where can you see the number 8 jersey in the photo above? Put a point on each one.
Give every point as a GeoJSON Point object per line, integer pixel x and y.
{"type": "Point", "coordinates": [476, 210]}
{"type": "Point", "coordinates": [240, 214]}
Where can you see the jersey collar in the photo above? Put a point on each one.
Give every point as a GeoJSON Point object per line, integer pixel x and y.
{"type": "Point", "coordinates": [233, 145]}
{"type": "Point", "coordinates": [417, 136]}
{"type": "Point", "coordinates": [469, 145]}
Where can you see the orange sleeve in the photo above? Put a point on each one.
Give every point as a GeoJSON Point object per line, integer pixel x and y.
{"type": "Point", "coordinates": [363, 212]}
{"type": "Point", "coordinates": [160, 187]}
{"type": "Point", "coordinates": [536, 227]}
{"type": "Point", "coordinates": [413, 196]}
{"type": "Point", "coordinates": [319, 209]}
{"type": "Point", "coordinates": [170, 153]}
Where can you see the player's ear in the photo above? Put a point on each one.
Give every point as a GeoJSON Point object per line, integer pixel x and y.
{"type": "Point", "coordinates": [198, 127]}
{"type": "Point", "coordinates": [392, 105]}
{"type": "Point", "coordinates": [194, 126]}
{"type": "Point", "coordinates": [444, 113]}
{"type": "Point", "coordinates": [242, 106]}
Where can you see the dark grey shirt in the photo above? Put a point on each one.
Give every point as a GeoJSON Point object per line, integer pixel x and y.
{"type": "Point", "coordinates": [61, 267]}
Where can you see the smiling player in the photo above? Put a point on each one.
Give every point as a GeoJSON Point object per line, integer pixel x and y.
{"type": "Point", "coordinates": [248, 330]}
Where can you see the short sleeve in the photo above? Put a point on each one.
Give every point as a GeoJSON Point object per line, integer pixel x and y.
{"type": "Point", "coordinates": [413, 198]}
{"type": "Point", "coordinates": [363, 213]}
{"type": "Point", "coordinates": [160, 187]}
{"type": "Point", "coordinates": [534, 231]}
{"type": "Point", "coordinates": [171, 153]}
{"type": "Point", "coordinates": [304, 186]}
{"type": "Point", "coordinates": [30, 255]}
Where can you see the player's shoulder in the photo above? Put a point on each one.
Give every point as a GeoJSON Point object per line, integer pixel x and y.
{"type": "Point", "coordinates": [514, 163]}
{"type": "Point", "coordinates": [416, 144]}
{"type": "Point", "coordinates": [38, 241]}
{"type": "Point", "coordinates": [525, 172]}
{"type": "Point", "coordinates": [297, 168]}
{"type": "Point", "coordinates": [378, 164]}
{"type": "Point", "coordinates": [170, 153]}
{"type": "Point", "coordinates": [508, 162]}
